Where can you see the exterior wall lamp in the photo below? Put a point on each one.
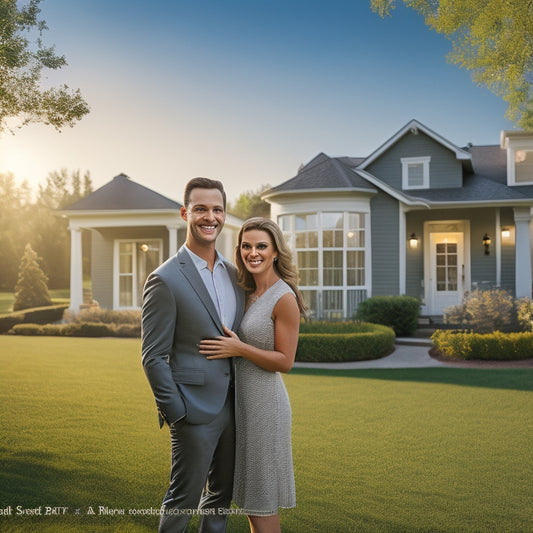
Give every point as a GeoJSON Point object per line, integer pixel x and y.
{"type": "Point", "coordinates": [486, 244]}
{"type": "Point", "coordinates": [413, 240]}
{"type": "Point", "coordinates": [506, 233]}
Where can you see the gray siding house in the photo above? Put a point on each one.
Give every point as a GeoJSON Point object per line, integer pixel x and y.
{"type": "Point", "coordinates": [419, 216]}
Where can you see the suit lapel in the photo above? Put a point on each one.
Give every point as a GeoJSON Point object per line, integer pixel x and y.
{"type": "Point", "coordinates": [192, 275]}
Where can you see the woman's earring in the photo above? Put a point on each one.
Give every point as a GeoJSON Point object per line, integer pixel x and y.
{"type": "Point", "coordinates": [276, 259]}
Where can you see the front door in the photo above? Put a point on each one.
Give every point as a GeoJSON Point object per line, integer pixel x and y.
{"type": "Point", "coordinates": [446, 270]}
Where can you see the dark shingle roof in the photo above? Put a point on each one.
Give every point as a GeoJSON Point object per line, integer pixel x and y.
{"type": "Point", "coordinates": [475, 189]}
{"type": "Point", "coordinates": [324, 172]}
{"type": "Point", "coordinates": [123, 193]}
{"type": "Point", "coordinates": [490, 162]}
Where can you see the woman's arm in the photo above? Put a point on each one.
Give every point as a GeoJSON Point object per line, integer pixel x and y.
{"type": "Point", "coordinates": [286, 316]}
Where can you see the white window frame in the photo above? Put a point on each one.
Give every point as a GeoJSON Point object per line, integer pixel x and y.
{"type": "Point", "coordinates": [116, 270]}
{"type": "Point", "coordinates": [424, 161]}
{"type": "Point", "coordinates": [515, 146]}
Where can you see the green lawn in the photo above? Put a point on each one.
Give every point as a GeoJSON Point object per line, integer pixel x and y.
{"type": "Point", "coordinates": [419, 450]}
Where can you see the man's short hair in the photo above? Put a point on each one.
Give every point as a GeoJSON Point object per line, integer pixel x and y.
{"type": "Point", "coordinates": [202, 183]}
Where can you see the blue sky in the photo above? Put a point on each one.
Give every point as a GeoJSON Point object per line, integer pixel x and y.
{"type": "Point", "coordinates": [242, 90]}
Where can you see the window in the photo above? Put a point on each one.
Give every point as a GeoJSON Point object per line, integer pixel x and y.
{"type": "Point", "coordinates": [134, 261]}
{"type": "Point", "coordinates": [330, 253]}
{"type": "Point", "coordinates": [446, 259]}
{"type": "Point", "coordinates": [415, 172]}
{"type": "Point", "coordinates": [523, 160]}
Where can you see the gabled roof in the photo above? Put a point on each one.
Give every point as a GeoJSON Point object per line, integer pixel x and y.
{"type": "Point", "coordinates": [324, 172]}
{"type": "Point", "coordinates": [121, 193]}
{"type": "Point", "coordinates": [414, 127]}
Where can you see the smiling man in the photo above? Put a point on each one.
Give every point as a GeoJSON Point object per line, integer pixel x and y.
{"type": "Point", "coordinates": [189, 298]}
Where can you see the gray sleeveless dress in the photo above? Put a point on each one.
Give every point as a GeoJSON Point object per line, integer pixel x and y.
{"type": "Point", "coordinates": [264, 475]}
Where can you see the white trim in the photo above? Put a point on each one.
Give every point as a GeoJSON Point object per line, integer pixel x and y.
{"type": "Point", "coordinates": [406, 162]}
{"type": "Point", "coordinates": [402, 257]}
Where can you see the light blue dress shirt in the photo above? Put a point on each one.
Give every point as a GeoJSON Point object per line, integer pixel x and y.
{"type": "Point", "coordinates": [219, 286]}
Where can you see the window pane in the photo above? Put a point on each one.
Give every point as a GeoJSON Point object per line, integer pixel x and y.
{"type": "Point", "coordinates": [416, 174]}
{"type": "Point", "coordinates": [126, 264]}
{"type": "Point", "coordinates": [332, 304]}
{"type": "Point", "coordinates": [125, 291]}
{"type": "Point", "coordinates": [284, 222]}
{"type": "Point", "coordinates": [333, 220]}
{"type": "Point", "coordinates": [310, 300]}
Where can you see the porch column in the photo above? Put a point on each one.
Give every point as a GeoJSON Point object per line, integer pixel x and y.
{"type": "Point", "coordinates": [172, 240]}
{"type": "Point", "coordinates": [76, 270]}
{"type": "Point", "coordinates": [522, 216]}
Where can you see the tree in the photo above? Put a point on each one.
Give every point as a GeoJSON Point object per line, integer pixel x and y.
{"type": "Point", "coordinates": [22, 99]}
{"type": "Point", "coordinates": [15, 205]}
{"type": "Point", "coordinates": [31, 289]}
{"type": "Point", "coordinates": [249, 204]}
{"type": "Point", "coordinates": [491, 38]}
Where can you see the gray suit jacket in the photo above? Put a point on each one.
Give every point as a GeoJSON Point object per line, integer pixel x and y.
{"type": "Point", "coordinates": [177, 312]}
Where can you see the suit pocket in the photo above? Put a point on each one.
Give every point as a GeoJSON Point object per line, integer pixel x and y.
{"type": "Point", "coordinates": [189, 376]}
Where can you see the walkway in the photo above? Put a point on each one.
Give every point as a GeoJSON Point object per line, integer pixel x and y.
{"type": "Point", "coordinates": [408, 353]}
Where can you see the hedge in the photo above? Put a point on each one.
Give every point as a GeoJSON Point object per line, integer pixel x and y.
{"type": "Point", "coordinates": [84, 329]}
{"type": "Point", "coordinates": [495, 346]}
{"type": "Point", "coordinates": [37, 315]}
{"type": "Point", "coordinates": [398, 312]}
{"type": "Point", "coordinates": [358, 341]}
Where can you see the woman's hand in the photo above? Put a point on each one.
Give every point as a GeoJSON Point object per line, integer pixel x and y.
{"type": "Point", "coordinates": [220, 347]}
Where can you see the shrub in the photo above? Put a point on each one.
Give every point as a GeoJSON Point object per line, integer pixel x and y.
{"type": "Point", "coordinates": [83, 329]}
{"type": "Point", "coordinates": [31, 289]}
{"type": "Point", "coordinates": [484, 312]}
{"type": "Point", "coordinates": [352, 341]}
{"type": "Point", "coordinates": [524, 313]}
{"type": "Point", "coordinates": [39, 315]}
{"type": "Point", "coordinates": [105, 316]}
{"type": "Point", "coordinates": [495, 346]}
{"type": "Point", "coordinates": [398, 312]}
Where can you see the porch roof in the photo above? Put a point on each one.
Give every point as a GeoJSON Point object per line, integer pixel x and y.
{"type": "Point", "coordinates": [122, 193]}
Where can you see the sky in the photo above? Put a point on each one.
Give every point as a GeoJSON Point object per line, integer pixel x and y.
{"type": "Point", "coordinates": [244, 91]}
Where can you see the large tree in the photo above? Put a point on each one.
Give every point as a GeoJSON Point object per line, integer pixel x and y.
{"type": "Point", "coordinates": [491, 38]}
{"type": "Point", "coordinates": [23, 56]}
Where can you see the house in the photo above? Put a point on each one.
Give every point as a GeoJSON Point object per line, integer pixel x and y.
{"type": "Point", "coordinates": [133, 230]}
{"type": "Point", "coordinates": [419, 216]}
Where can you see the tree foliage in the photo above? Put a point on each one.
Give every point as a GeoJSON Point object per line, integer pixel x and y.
{"type": "Point", "coordinates": [23, 56]}
{"type": "Point", "coordinates": [491, 38]}
{"type": "Point", "coordinates": [31, 289]}
{"type": "Point", "coordinates": [24, 220]}
{"type": "Point", "coordinates": [249, 204]}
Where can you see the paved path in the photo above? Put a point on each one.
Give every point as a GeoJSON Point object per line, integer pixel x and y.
{"type": "Point", "coordinates": [404, 356]}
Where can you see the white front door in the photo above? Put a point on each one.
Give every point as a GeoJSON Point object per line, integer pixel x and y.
{"type": "Point", "coordinates": [446, 270]}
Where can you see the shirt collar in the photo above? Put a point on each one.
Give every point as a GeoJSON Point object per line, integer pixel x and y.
{"type": "Point", "coordinates": [200, 263]}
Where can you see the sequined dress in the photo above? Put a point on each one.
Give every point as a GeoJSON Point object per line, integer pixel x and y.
{"type": "Point", "coordinates": [264, 475]}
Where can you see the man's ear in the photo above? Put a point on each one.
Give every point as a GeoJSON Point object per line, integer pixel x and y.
{"type": "Point", "coordinates": [183, 213]}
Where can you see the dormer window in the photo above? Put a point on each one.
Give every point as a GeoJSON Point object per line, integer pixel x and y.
{"type": "Point", "coordinates": [415, 172]}
{"type": "Point", "coordinates": [519, 147]}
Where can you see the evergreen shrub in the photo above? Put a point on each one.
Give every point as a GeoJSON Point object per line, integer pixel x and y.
{"type": "Point", "coordinates": [398, 312]}
{"type": "Point", "coordinates": [343, 341]}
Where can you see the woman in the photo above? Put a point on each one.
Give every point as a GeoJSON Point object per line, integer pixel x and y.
{"type": "Point", "coordinates": [265, 346]}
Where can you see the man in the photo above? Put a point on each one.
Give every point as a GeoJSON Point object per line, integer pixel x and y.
{"type": "Point", "coordinates": [186, 299]}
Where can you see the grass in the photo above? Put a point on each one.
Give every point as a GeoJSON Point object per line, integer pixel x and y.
{"type": "Point", "coordinates": [437, 449]}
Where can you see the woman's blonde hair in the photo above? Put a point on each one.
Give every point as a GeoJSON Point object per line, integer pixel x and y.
{"type": "Point", "coordinates": [284, 266]}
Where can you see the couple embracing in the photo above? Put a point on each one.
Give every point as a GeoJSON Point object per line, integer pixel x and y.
{"type": "Point", "coordinates": [215, 339]}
